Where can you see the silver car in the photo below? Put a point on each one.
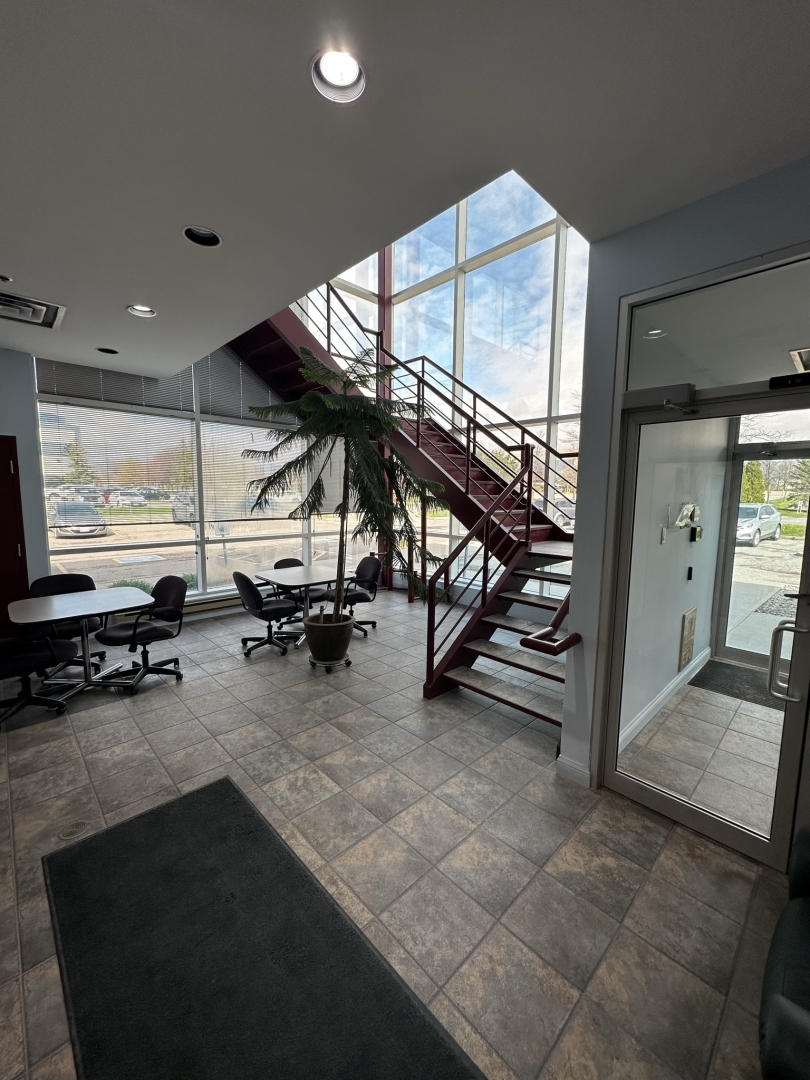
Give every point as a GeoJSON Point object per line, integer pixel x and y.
{"type": "Point", "coordinates": [758, 521]}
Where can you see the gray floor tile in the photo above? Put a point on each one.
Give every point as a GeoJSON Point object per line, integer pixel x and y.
{"type": "Point", "coordinates": [350, 764]}
{"type": "Point", "coordinates": [380, 868]}
{"type": "Point", "coordinates": [627, 828]}
{"type": "Point", "coordinates": [36, 933]}
{"type": "Point", "coordinates": [766, 753]}
{"type": "Point", "coordinates": [432, 827]}
{"type": "Point", "coordinates": [301, 789]}
{"type": "Point", "coordinates": [743, 771]}
{"type": "Point", "coordinates": [510, 770]}
{"type": "Point", "coordinates": [691, 727]}
{"type": "Point", "coordinates": [57, 1066]}
{"type": "Point", "coordinates": [534, 745]}
{"type": "Point", "coordinates": [735, 802]}
{"type": "Point", "coordinates": [491, 725]}
{"type": "Point", "coordinates": [429, 766]}
{"type": "Point", "coordinates": [473, 795]}
{"type": "Point", "coordinates": [333, 705]}
{"type": "Point", "coordinates": [46, 1026]}
{"type": "Point", "coordinates": [418, 980]}
{"type": "Point", "coordinates": [704, 870]}
{"type": "Point", "coordinates": [394, 707]}
{"type": "Point", "coordinates": [44, 756]}
{"type": "Point", "coordinates": [271, 762]}
{"type": "Point", "coordinates": [641, 989]}
{"type": "Point", "coordinates": [360, 722]}
{"type": "Point", "coordinates": [176, 712]}
{"type": "Point", "coordinates": [109, 735]}
{"type": "Point", "coordinates": [464, 745]}
{"type": "Point", "coordinates": [770, 897]}
{"type": "Point", "coordinates": [437, 923]}
{"type": "Point", "coordinates": [247, 739]}
{"type": "Point", "coordinates": [47, 783]}
{"type": "Point", "coordinates": [390, 742]}
{"type": "Point", "coordinates": [428, 724]}
{"type": "Point", "coordinates": [293, 720]}
{"type": "Point", "coordinates": [386, 792]}
{"type": "Point", "coordinates": [593, 1046]}
{"type": "Point", "coordinates": [597, 874]}
{"type": "Point", "coordinates": [235, 716]}
{"type": "Point", "coordinates": [319, 741]}
{"type": "Point", "coordinates": [527, 828]}
{"type": "Point", "coordinates": [737, 1048]}
{"type": "Point", "coordinates": [491, 1064]}
{"type": "Point", "coordinates": [517, 1002]}
{"type": "Point", "coordinates": [12, 1051]}
{"type": "Point", "coordinates": [118, 758]}
{"type": "Point", "coordinates": [351, 904]}
{"type": "Point", "coordinates": [335, 824]}
{"type": "Point", "coordinates": [196, 759]}
{"type": "Point", "coordinates": [489, 870]}
{"type": "Point", "coordinates": [703, 710]}
{"type": "Point", "coordinates": [156, 798]}
{"type": "Point", "coordinates": [665, 772]}
{"type": "Point", "coordinates": [9, 957]}
{"type": "Point", "coordinates": [568, 801]}
{"type": "Point", "coordinates": [746, 982]}
{"type": "Point", "coordinates": [116, 791]}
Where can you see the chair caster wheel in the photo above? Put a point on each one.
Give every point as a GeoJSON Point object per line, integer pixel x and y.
{"type": "Point", "coordinates": [179, 676]}
{"type": "Point", "coordinates": [102, 656]}
{"type": "Point", "coordinates": [244, 641]}
{"type": "Point", "coordinates": [328, 671]}
{"type": "Point", "coordinates": [312, 664]}
{"type": "Point", "coordinates": [283, 652]}
{"type": "Point", "coordinates": [348, 663]}
{"type": "Point", "coordinates": [133, 690]}
{"type": "Point", "coordinates": [61, 709]}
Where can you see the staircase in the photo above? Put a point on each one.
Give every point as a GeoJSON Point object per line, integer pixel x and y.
{"type": "Point", "coordinates": [505, 485]}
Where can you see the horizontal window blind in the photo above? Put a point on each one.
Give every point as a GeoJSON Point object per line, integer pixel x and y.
{"type": "Point", "coordinates": [227, 387]}
{"type": "Point", "coordinates": [120, 387]}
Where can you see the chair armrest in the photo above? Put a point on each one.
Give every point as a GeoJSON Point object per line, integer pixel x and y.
{"type": "Point", "coordinates": [784, 1039]}
{"type": "Point", "coordinates": [799, 867]}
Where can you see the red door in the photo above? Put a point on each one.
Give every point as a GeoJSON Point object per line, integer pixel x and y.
{"type": "Point", "coordinates": [13, 567]}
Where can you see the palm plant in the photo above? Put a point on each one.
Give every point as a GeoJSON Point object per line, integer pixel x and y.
{"type": "Point", "coordinates": [377, 486]}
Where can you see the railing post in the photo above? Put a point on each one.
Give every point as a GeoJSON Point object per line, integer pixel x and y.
{"type": "Point", "coordinates": [328, 319]}
{"type": "Point", "coordinates": [485, 575]}
{"type": "Point", "coordinates": [431, 625]}
{"type": "Point", "coordinates": [424, 541]}
{"type": "Point", "coordinates": [410, 571]}
{"type": "Point", "coordinates": [420, 402]}
{"type": "Point", "coordinates": [529, 455]}
{"type": "Point", "coordinates": [467, 463]}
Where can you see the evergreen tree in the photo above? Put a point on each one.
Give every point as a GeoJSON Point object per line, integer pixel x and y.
{"type": "Point", "coordinates": [752, 489]}
{"type": "Point", "coordinates": [81, 471]}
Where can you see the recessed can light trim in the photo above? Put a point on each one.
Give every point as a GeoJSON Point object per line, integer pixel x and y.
{"type": "Point", "coordinates": [5, 277]}
{"type": "Point", "coordinates": [142, 311]}
{"type": "Point", "coordinates": [654, 335]}
{"type": "Point", "coordinates": [338, 76]}
{"type": "Point", "coordinates": [112, 352]}
{"type": "Point", "coordinates": [202, 237]}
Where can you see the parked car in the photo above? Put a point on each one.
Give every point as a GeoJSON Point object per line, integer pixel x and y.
{"type": "Point", "coordinates": [127, 498]}
{"type": "Point", "coordinates": [90, 494]}
{"type": "Point", "coordinates": [152, 493]}
{"type": "Point", "coordinates": [77, 519]}
{"type": "Point", "coordinates": [758, 521]}
{"type": "Point", "coordinates": [184, 508]}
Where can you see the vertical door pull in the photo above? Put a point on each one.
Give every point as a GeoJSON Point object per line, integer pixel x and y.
{"type": "Point", "coordinates": [777, 688]}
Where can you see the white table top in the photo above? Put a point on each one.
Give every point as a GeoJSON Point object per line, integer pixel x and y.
{"type": "Point", "coordinates": [78, 605]}
{"type": "Point", "coordinates": [299, 577]}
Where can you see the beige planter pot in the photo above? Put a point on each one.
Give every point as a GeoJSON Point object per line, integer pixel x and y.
{"type": "Point", "coordinates": [328, 641]}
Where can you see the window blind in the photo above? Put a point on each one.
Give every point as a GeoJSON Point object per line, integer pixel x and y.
{"type": "Point", "coordinates": [176, 392]}
{"type": "Point", "coordinates": [227, 387]}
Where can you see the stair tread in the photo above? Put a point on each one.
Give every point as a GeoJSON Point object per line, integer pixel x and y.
{"type": "Point", "coordinates": [544, 575]}
{"type": "Point", "coordinates": [560, 550]}
{"type": "Point", "coordinates": [519, 697]}
{"type": "Point", "coordinates": [516, 657]}
{"type": "Point", "coordinates": [509, 622]}
{"type": "Point", "coordinates": [548, 603]}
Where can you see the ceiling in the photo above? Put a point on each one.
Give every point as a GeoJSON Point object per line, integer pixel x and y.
{"type": "Point", "coordinates": [125, 120]}
{"type": "Point", "coordinates": [739, 331]}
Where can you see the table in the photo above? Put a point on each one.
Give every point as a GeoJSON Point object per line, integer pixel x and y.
{"type": "Point", "coordinates": [80, 606]}
{"type": "Point", "coordinates": [301, 577]}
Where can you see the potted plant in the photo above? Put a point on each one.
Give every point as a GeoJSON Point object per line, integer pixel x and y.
{"type": "Point", "coordinates": [377, 483]}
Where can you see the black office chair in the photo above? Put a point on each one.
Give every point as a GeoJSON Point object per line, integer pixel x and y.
{"type": "Point", "coordinates": [316, 596]}
{"type": "Point", "coordinates": [269, 611]}
{"type": "Point", "coordinates": [69, 629]}
{"type": "Point", "coordinates": [152, 624]}
{"type": "Point", "coordinates": [365, 581]}
{"type": "Point", "coordinates": [20, 658]}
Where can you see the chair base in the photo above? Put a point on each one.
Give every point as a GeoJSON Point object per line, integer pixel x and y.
{"type": "Point", "coordinates": [99, 656]}
{"type": "Point", "coordinates": [280, 640]}
{"type": "Point", "coordinates": [360, 625]}
{"type": "Point", "coordinates": [10, 706]}
{"type": "Point", "coordinates": [131, 678]}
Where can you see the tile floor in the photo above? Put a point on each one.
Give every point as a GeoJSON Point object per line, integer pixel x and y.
{"type": "Point", "coordinates": [719, 752]}
{"type": "Point", "coordinates": [556, 932]}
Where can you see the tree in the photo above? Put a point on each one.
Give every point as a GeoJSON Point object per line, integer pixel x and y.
{"type": "Point", "coordinates": [800, 478]}
{"type": "Point", "coordinates": [81, 471]}
{"type": "Point", "coordinates": [132, 472]}
{"type": "Point", "coordinates": [377, 488]}
{"type": "Point", "coordinates": [181, 469]}
{"type": "Point", "coordinates": [752, 489]}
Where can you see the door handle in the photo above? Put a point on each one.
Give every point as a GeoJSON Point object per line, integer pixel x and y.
{"type": "Point", "coordinates": [775, 685]}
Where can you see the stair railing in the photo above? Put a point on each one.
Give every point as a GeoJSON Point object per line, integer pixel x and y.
{"type": "Point", "coordinates": [462, 585]}
{"type": "Point", "coordinates": [481, 428]}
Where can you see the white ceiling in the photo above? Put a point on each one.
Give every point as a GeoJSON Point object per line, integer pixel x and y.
{"type": "Point", "coordinates": [124, 120]}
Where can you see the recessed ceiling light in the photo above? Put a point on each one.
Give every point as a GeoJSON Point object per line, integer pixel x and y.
{"type": "Point", "coordinates": [801, 359]}
{"type": "Point", "coordinates": [654, 335]}
{"type": "Point", "coordinates": [112, 352]}
{"type": "Point", "coordinates": [142, 311]}
{"type": "Point", "coordinates": [203, 237]}
{"type": "Point", "coordinates": [338, 76]}
{"type": "Point", "coordinates": [4, 277]}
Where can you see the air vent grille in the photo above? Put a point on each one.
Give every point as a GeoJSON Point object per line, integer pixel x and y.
{"type": "Point", "coordinates": [25, 310]}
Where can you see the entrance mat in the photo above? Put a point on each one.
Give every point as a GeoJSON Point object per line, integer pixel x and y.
{"type": "Point", "coordinates": [195, 945]}
{"type": "Point", "coordinates": [748, 684]}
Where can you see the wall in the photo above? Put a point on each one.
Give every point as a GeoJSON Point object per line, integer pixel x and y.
{"type": "Point", "coordinates": [18, 416]}
{"type": "Point", "coordinates": [679, 462]}
{"type": "Point", "coordinates": [763, 215]}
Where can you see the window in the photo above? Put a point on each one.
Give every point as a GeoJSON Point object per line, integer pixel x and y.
{"type": "Point", "coordinates": [423, 326]}
{"type": "Point", "coordinates": [426, 251]}
{"type": "Point", "coordinates": [502, 210]}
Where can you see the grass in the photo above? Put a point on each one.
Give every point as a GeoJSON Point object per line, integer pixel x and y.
{"type": "Point", "coordinates": [128, 513]}
{"type": "Point", "coordinates": [789, 529]}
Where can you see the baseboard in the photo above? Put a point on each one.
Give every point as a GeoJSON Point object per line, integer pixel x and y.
{"type": "Point", "coordinates": [681, 679]}
{"type": "Point", "coordinates": [572, 770]}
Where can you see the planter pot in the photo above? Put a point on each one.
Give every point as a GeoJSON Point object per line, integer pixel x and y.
{"type": "Point", "coordinates": [328, 640]}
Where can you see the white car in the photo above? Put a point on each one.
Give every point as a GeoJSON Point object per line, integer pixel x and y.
{"type": "Point", "coordinates": [127, 498]}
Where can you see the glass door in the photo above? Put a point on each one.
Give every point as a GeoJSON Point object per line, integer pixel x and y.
{"type": "Point", "coordinates": [709, 688]}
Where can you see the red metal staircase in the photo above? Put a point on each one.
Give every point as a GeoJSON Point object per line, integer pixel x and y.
{"type": "Point", "coordinates": [507, 487]}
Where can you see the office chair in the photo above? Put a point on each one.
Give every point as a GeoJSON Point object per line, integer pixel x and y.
{"type": "Point", "coordinates": [20, 658]}
{"type": "Point", "coordinates": [70, 629]}
{"type": "Point", "coordinates": [316, 596]}
{"type": "Point", "coordinates": [152, 624]}
{"type": "Point", "coordinates": [366, 579]}
{"type": "Point", "coordinates": [269, 611]}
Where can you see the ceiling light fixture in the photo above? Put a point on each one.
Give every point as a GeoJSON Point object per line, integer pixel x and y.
{"type": "Point", "coordinates": [654, 335]}
{"type": "Point", "coordinates": [142, 311]}
{"type": "Point", "coordinates": [112, 352]}
{"type": "Point", "coordinates": [338, 76]}
{"type": "Point", "coordinates": [4, 277]}
{"type": "Point", "coordinates": [196, 234]}
{"type": "Point", "coordinates": [801, 359]}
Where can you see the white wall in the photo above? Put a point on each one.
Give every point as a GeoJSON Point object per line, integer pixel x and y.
{"type": "Point", "coordinates": [18, 417]}
{"type": "Point", "coordinates": [679, 462]}
{"type": "Point", "coordinates": [763, 215]}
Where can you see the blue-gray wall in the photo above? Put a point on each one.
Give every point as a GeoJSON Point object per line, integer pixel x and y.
{"type": "Point", "coordinates": [752, 219]}
{"type": "Point", "coordinates": [18, 417]}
